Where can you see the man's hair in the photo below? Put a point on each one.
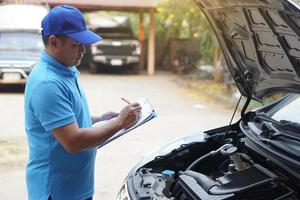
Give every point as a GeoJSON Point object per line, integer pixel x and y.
{"type": "Point", "coordinates": [46, 39]}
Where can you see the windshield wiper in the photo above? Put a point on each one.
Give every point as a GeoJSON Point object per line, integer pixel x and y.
{"type": "Point", "coordinates": [282, 124]}
{"type": "Point", "coordinates": [272, 129]}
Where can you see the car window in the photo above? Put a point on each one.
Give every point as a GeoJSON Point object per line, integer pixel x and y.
{"type": "Point", "coordinates": [289, 112]}
{"type": "Point", "coordinates": [20, 41]}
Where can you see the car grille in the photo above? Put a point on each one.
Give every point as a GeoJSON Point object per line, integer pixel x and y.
{"type": "Point", "coordinates": [116, 50]}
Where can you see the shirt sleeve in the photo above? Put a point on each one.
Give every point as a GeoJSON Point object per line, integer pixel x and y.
{"type": "Point", "coordinates": [52, 106]}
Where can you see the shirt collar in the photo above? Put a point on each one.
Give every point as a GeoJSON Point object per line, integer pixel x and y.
{"type": "Point", "coordinates": [57, 66]}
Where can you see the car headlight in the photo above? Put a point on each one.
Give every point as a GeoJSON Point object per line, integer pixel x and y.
{"type": "Point", "coordinates": [137, 51]}
{"type": "Point", "coordinates": [123, 194]}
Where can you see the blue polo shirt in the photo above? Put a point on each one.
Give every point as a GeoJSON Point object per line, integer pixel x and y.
{"type": "Point", "coordinates": [54, 98]}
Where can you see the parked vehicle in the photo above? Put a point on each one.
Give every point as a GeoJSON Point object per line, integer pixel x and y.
{"type": "Point", "coordinates": [257, 157]}
{"type": "Point", "coordinates": [20, 41]}
{"type": "Point", "coordinates": [119, 47]}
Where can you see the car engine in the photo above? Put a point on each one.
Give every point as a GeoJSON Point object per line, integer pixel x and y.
{"type": "Point", "coordinates": [229, 170]}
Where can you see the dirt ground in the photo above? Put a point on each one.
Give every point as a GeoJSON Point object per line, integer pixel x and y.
{"type": "Point", "coordinates": [179, 113]}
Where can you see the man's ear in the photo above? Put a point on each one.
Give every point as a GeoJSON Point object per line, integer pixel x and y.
{"type": "Point", "coordinates": [53, 41]}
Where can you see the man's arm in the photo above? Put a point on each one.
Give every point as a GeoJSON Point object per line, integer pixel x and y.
{"type": "Point", "coordinates": [75, 139]}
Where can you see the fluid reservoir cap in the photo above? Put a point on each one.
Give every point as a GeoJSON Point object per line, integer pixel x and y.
{"type": "Point", "coordinates": [168, 172]}
{"type": "Point", "coordinates": [231, 151]}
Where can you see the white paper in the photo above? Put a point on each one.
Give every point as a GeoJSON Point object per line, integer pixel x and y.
{"type": "Point", "coordinates": [147, 114]}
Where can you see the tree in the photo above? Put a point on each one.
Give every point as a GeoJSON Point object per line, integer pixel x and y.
{"type": "Point", "coordinates": [180, 19]}
{"type": "Point", "coordinates": [184, 20]}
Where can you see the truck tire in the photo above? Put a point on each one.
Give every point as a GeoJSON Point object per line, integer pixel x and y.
{"type": "Point", "coordinates": [135, 68]}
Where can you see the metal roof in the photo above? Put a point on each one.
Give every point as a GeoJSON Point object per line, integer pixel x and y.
{"type": "Point", "coordinates": [91, 5]}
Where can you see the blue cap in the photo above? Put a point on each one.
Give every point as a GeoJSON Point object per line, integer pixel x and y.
{"type": "Point", "coordinates": [67, 20]}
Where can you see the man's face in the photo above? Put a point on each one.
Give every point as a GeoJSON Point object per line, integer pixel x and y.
{"type": "Point", "coordinates": [68, 51]}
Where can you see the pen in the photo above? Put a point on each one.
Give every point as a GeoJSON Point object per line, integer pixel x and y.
{"type": "Point", "coordinates": [125, 100]}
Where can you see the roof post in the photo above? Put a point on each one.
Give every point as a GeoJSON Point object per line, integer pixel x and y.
{"type": "Point", "coordinates": [141, 40]}
{"type": "Point", "coordinates": [151, 43]}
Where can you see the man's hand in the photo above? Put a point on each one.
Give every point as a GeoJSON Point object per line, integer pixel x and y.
{"type": "Point", "coordinates": [129, 115]}
{"type": "Point", "coordinates": [108, 116]}
{"type": "Point", "coordinates": [105, 116]}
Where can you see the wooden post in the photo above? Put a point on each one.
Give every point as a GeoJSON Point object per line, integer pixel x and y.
{"type": "Point", "coordinates": [151, 43]}
{"type": "Point", "coordinates": [141, 40]}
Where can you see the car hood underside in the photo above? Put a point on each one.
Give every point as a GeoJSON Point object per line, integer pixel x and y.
{"type": "Point", "coordinates": [260, 41]}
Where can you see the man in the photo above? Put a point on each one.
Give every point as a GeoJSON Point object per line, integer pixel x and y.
{"type": "Point", "coordinates": [57, 120]}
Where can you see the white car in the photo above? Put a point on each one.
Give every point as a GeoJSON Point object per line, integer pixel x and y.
{"type": "Point", "coordinates": [257, 158]}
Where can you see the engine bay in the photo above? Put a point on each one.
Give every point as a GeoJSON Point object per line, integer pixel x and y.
{"type": "Point", "coordinates": [221, 167]}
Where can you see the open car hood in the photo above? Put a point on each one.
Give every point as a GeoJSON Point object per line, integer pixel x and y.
{"type": "Point", "coordinates": [260, 41]}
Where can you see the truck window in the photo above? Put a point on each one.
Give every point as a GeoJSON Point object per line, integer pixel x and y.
{"type": "Point", "coordinates": [21, 41]}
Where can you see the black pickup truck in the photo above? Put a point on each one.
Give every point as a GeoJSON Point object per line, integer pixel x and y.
{"type": "Point", "coordinates": [118, 49]}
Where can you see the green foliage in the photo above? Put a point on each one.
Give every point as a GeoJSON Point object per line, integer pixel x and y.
{"type": "Point", "coordinates": [183, 19]}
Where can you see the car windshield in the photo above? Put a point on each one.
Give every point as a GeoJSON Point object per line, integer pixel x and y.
{"type": "Point", "coordinates": [289, 112]}
{"type": "Point", "coordinates": [20, 41]}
